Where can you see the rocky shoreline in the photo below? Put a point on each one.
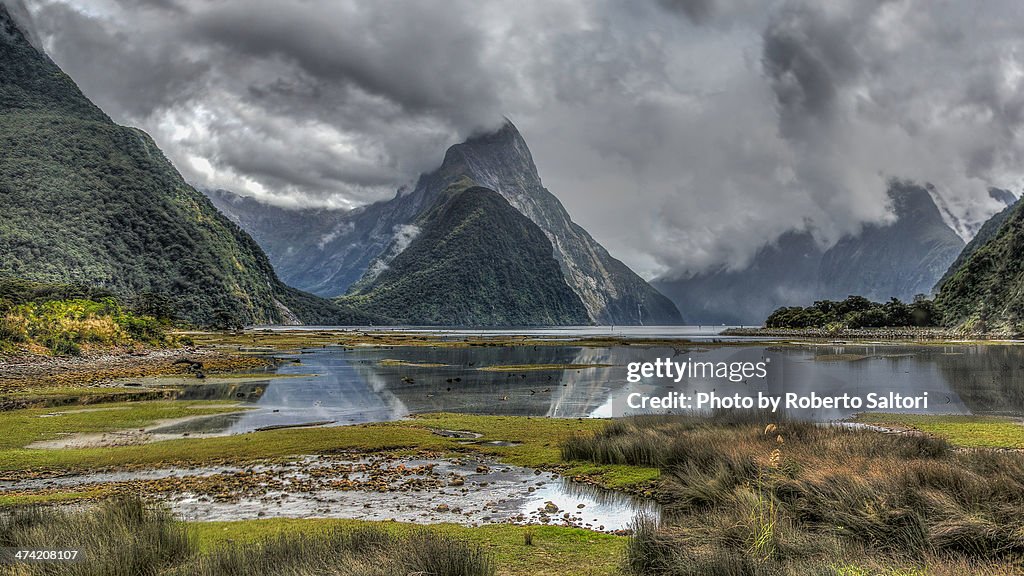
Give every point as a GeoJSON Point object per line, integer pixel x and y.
{"type": "Point", "coordinates": [26, 379]}
{"type": "Point", "coordinates": [911, 333]}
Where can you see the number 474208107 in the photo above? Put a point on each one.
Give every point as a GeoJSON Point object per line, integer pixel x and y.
{"type": "Point", "coordinates": [45, 555]}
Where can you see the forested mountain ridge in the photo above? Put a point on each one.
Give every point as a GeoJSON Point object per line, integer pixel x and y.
{"type": "Point", "coordinates": [986, 233]}
{"type": "Point", "coordinates": [89, 202]}
{"type": "Point", "coordinates": [983, 292]}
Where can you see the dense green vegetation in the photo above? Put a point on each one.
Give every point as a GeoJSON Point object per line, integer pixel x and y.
{"type": "Point", "coordinates": [125, 537]}
{"type": "Point", "coordinates": [15, 291]}
{"type": "Point", "coordinates": [476, 261]}
{"type": "Point", "coordinates": [746, 493]}
{"type": "Point", "coordinates": [64, 318]}
{"type": "Point", "coordinates": [984, 294]}
{"type": "Point", "coordinates": [986, 233]}
{"type": "Point", "coordinates": [64, 326]}
{"type": "Point", "coordinates": [89, 202]}
{"type": "Point", "coordinates": [857, 312]}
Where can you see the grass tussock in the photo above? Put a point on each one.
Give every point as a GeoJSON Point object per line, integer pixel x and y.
{"type": "Point", "coordinates": [364, 551]}
{"type": "Point", "coordinates": [746, 493]}
{"type": "Point", "coordinates": [117, 538]}
{"type": "Point", "coordinates": [126, 537]}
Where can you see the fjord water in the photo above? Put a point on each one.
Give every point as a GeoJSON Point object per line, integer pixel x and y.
{"type": "Point", "coordinates": [354, 385]}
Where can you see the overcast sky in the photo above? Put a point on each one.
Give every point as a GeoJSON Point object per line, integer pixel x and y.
{"type": "Point", "coordinates": [680, 133]}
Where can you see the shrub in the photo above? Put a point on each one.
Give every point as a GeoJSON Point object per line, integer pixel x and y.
{"type": "Point", "coordinates": [120, 537]}
{"type": "Point", "coordinates": [64, 326]}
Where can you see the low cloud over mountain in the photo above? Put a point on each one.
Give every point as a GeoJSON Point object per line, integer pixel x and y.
{"type": "Point", "coordinates": [682, 134]}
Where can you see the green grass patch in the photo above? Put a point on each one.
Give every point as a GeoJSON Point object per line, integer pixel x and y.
{"type": "Point", "coordinates": [536, 441]}
{"type": "Point", "coordinates": [22, 427]}
{"type": "Point", "coordinates": [77, 396]}
{"type": "Point", "coordinates": [615, 476]}
{"type": "Point", "coordinates": [68, 392]}
{"type": "Point", "coordinates": [555, 550]}
{"type": "Point", "coordinates": [967, 431]}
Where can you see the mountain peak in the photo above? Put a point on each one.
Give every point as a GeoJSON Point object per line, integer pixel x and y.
{"type": "Point", "coordinates": [912, 200]}
{"type": "Point", "coordinates": [493, 157]}
{"type": "Point", "coordinates": [1005, 196]}
{"type": "Point", "coordinates": [505, 135]}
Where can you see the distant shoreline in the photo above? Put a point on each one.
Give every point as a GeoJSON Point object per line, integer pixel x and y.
{"type": "Point", "coordinates": [907, 333]}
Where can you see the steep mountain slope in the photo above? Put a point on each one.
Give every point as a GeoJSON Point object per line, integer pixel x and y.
{"type": "Point", "coordinates": [336, 258]}
{"type": "Point", "coordinates": [897, 260]}
{"type": "Point", "coordinates": [475, 261]}
{"type": "Point", "coordinates": [984, 292]}
{"type": "Point", "coordinates": [968, 226]}
{"type": "Point", "coordinates": [987, 231]}
{"type": "Point", "coordinates": [88, 201]}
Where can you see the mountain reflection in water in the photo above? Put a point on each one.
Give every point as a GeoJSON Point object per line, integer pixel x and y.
{"type": "Point", "coordinates": [348, 386]}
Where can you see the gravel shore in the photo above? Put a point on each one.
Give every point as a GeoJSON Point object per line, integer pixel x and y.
{"type": "Point", "coordinates": [905, 333]}
{"type": "Point", "coordinates": [19, 374]}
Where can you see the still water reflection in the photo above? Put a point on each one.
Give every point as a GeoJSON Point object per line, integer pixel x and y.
{"type": "Point", "coordinates": [346, 386]}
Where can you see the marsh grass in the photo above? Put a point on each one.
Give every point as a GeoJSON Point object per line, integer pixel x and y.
{"type": "Point", "coordinates": [364, 551]}
{"type": "Point", "coordinates": [126, 537]}
{"type": "Point", "coordinates": [117, 538]}
{"type": "Point", "coordinates": [745, 494]}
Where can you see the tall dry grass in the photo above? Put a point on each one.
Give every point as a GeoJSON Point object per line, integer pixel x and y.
{"type": "Point", "coordinates": [347, 552]}
{"type": "Point", "coordinates": [124, 537]}
{"type": "Point", "coordinates": [745, 494]}
{"type": "Point", "coordinates": [117, 538]}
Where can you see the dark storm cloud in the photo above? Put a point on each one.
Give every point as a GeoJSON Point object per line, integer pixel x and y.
{"type": "Point", "coordinates": [680, 133]}
{"type": "Point", "coordinates": [805, 59]}
{"type": "Point", "coordinates": [143, 77]}
{"type": "Point", "coordinates": [424, 62]}
{"type": "Point", "coordinates": [869, 78]}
